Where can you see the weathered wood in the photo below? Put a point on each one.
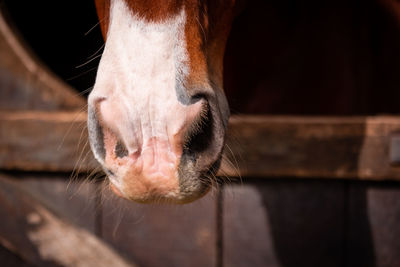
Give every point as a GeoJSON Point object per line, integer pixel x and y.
{"type": "Point", "coordinates": [162, 235]}
{"type": "Point", "coordinates": [41, 238]}
{"type": "Point", "coordinates": [278, 223]}
{"type": "Point", "coordinates": [321, 147]}
{"type": "Point", "coordinates": [38, 141]}
{"type": "Point", "coordinates": [73, 199]}
{"type": "Point", "coordinates": [25, 83]}
{"type": "Point", "coordinates": [257, 146]}
{"type": "Point", "coordinates": [373, 225]}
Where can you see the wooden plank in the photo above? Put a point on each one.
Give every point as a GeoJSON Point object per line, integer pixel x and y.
{"type": "Point", "coordinates": [25, 83]}
{"type": "Point", "coordinates": [283, 223]}
{"type": "Point", "coordinates": [247, 239]}
{"type": "Point", "coordinates": [72, 199]}
{"type": "Point", "coordinates": [257, 146]}
{"type": "Point", "coordinates": [54, 141]}
{"type": "Point", "coordinates": [373, 225]}
{"type": "Point", "coordinates": [320, 147]}
{"type": "Point", "coordinates": [41, 238]}
{"type": "Point", "coordinates": [162, 235]}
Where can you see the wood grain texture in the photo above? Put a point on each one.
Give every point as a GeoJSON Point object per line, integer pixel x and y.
{"type": "Point", "coordinates": [320, 147]}
{"type": "Point", "coordinates": [288, 223]}
{"type": "Point", "coordinates": [41, 238]}
{"type": "Point", "coordinates": [257, 146]}
{"type": "Point", "coordinates": [373, 224]}
{"type": "Point", "coordinates": [41, 141]}
{"type": "Point", "coordinates": [162, 235]}
{"type": "Point", "coordinates": [72, 199]}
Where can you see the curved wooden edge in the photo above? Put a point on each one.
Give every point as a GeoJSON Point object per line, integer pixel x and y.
{"type": "Point", "coordinates": [41, 238]}
{"type": "Point", "coordinates": [30, 74]}
{"type": "Point", "coordinates": [257, 146]}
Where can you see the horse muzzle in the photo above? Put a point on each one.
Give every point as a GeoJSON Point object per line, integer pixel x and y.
{"type": "Point", "coordinates": [153, 155]}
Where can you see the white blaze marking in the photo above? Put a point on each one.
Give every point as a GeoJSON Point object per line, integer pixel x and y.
{"type": "Point", "coordinates": [138, 73]}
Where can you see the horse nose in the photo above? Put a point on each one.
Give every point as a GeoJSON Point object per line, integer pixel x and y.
{"type": "Point", "coordinates": [140, 146]}
{"type": "Point", "coordinates": [136, 124]}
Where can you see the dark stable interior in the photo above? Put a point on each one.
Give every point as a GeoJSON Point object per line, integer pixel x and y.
{"type": "Point", "coordinates": [283, 56]}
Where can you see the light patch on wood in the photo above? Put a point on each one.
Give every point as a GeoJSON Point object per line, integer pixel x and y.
{"type": "Point", "coordinates": [241, 201]}
{"type": "Point", "coordinates": [62, 243]}
{"type": "Point", "coordinates": [34, 218]}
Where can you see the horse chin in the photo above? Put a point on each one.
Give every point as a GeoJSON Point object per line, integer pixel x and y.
{"type": "Point", "coordinates": [190, 189]}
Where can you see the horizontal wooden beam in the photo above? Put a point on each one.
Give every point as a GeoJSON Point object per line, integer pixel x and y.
{"type": "Point", "coordinates": [44, 141]}
{"type": "Point", "coordinates": [317, 147]}
{"type": "Point", "coordinates": [257, 146]}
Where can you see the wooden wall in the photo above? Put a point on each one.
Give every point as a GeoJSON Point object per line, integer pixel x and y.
{"type": "Point", "coordinates": [275, 222]}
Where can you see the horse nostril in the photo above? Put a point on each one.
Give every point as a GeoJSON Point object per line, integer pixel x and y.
{"type": "Point", "coordinates": [200, 137]}
{"type": "Point", "coordinates": [120, 150]}
{"type": "Point", "coordinates": [197, 97]}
